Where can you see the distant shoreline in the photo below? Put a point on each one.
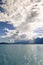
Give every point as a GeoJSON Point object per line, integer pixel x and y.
{"type": "Point", "coordinates": [21, 43]}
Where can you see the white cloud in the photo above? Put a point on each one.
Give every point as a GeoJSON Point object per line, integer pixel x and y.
{"type": "Point", "coordinates": [9, 33]}
{"type": "Point", "coordinates": [26, 15]}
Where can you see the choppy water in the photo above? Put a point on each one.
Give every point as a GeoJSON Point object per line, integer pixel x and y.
{"type": "Point", "coordinates": [21, 54]}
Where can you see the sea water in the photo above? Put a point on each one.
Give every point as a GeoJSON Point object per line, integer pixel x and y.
{"type": "Point", "coordinates": [14, 54]}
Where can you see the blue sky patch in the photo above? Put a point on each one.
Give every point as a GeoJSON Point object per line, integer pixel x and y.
{"type": "Point", "coordinates": [4, 25]}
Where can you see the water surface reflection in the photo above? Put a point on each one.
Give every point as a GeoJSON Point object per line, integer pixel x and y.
{"type": "Point", "coordinates": [21, 54]}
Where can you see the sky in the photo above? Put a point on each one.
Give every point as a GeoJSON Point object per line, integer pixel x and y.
{"type": "Point", "coordinates": [21, 20]}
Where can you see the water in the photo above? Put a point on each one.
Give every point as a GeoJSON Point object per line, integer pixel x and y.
{"type": "Point", "coordinates": [21, 54]}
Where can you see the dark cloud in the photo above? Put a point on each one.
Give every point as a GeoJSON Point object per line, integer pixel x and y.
{"type": "Point", "coordinates": [1, 2]}
{"type": "Point", "coordinates": [30, 18]}
{"type": "Point", "coordinates": [35, 0]}
{"type": "Point", "coordinates": [2, 9]}
{"type": "Point", "coordinates": [38, 41]}
{"type": "Point", "coordinates": [15, 0]}
{"type": "Point", "coordinates": [33, 14]}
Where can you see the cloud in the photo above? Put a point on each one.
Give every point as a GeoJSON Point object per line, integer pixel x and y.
{"type": "Point", "coordinates": [1, 9]}
{"type": "Point", "coordinates": [1, 2]}
{"type": "Point", "coordinates": [39, 30]}
{"type": "Point", "coordinates": [26, 16]}
{"type": "Point", "coordinates": [9, 33]}
{"type": "Point", "coordinates": [35, 0]}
